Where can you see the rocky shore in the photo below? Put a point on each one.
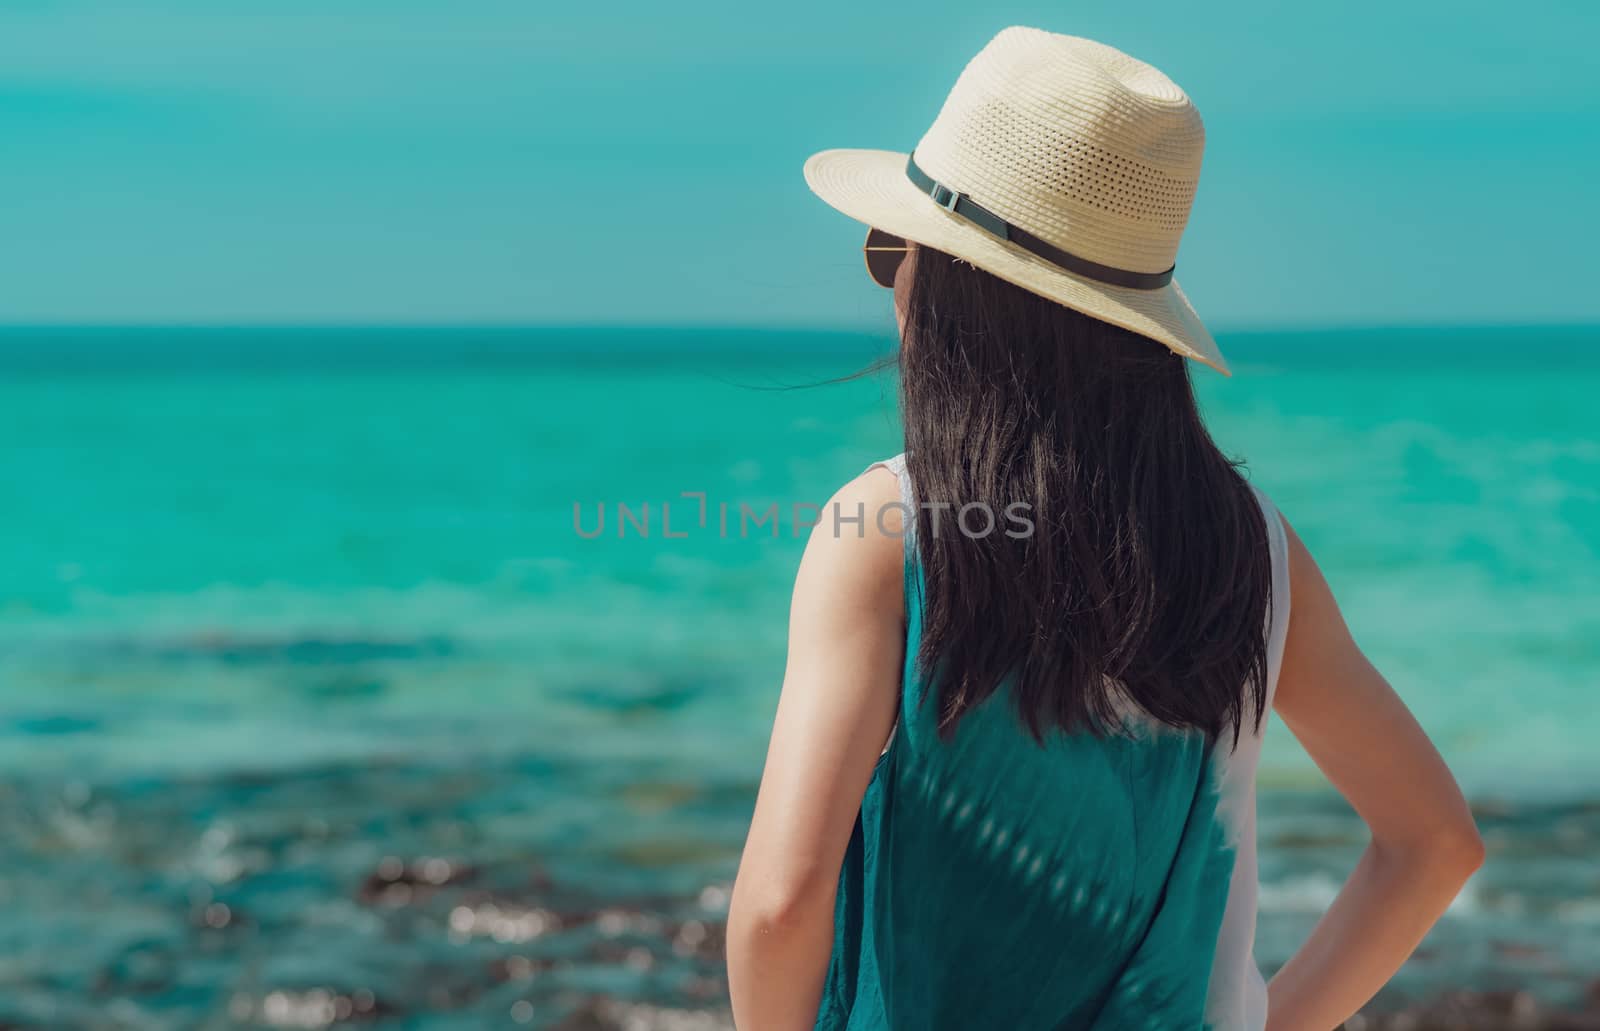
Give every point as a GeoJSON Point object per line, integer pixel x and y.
{"type": "Point", "coordinates": [451, 897]}
{"type": "Point", "coordinates": [671, 950]}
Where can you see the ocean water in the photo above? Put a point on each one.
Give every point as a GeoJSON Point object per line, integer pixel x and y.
{"type": "Point", "coordinates": [316, 705]}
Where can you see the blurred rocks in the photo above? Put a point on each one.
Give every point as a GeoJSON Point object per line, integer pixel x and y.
{"type": "Point", "coordinates": [397, 882]}
{"type": "Point", "coordinates": [1467, 1010]}
{"type": "Point", "coordinates": [602, 1014]}
{"type": "Point", "coordinates": [307, 1008]}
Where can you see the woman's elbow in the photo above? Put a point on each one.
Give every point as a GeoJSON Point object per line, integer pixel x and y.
{"type": "Point", "coordinates": [779, 909]}
{"type": "Point", "coordinates": [1449, 852]}
{"type": "Point", "coordinates": [1459, 849]}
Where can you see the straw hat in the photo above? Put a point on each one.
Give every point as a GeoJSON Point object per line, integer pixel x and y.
{"type": "Point", "coordinates": [1057, 163]}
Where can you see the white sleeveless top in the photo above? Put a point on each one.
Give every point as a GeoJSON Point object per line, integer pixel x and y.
{"type": "Point", "coordinates": [1237, 995]}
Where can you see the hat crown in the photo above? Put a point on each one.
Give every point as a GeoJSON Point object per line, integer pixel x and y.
{"type": "Point", "coordinates": [1083, 146]}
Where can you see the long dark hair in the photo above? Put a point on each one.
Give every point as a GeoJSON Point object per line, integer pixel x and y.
{"type": "Point", "coordinates": [1146, 572]}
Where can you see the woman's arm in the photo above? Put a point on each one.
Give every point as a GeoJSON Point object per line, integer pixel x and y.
{"type": "Point", "coordinates": [1424, 845]}
{"type": "Point", "coordinates": [840, 695]}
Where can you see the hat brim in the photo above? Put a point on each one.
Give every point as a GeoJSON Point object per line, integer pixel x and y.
{"type": "Point", "coordinates": [871, 187]}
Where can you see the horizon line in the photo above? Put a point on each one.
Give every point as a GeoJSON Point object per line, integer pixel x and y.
{"type": "Point", "coordinates": [1243, 329]}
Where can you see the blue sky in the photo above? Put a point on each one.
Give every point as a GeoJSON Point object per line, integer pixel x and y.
{"type": "Point", "coordinates": [1408, 161]}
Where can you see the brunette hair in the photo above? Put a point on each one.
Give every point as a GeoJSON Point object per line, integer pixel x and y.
{"type": "Point", "coordinates": [1146, 573]}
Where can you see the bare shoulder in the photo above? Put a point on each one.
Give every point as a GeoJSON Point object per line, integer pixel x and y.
{"type": "Point", "coordinates": [1320, 655]}
{"type": "Point", "coordinates": [1314, 604]}
{"type": "Point", "coordinates": [1298, 553]}
{"type": "Point", "coordinates": [854, 559]}
{"type": "Point", "coordinates": [874, 495]}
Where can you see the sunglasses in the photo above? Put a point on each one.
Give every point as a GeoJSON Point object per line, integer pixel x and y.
{"type": "Point", "coordinates": [884, 255]}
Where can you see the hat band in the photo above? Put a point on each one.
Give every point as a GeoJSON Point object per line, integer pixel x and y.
{"type": "Point", "coordinates": [980, 216]}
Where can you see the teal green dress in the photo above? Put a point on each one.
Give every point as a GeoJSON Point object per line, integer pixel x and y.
{"type": "Point", "coordinates": [1094, 882]}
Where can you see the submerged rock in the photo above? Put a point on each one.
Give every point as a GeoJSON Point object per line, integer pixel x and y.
{"type": "Point", "coordinates": [308, 1008]}
{"type": "Point", "coordinates": [602, 1014]}
{"type": "Point", "coordinates": [1467, 1010]}
{"type": "Point", "coordinates": [397, 882]}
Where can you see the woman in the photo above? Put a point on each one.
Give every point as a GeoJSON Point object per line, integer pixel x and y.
{"type": "Point", "coordinates": [1010, 783]}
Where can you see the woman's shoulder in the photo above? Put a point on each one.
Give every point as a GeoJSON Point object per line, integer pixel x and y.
{"type": "Point", "coordinates": [870, 508]}
{"type": "Point", "coordinates": [854, 565]}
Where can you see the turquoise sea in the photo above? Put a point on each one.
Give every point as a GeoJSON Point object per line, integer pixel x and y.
{"type": "Point", "coordinates": [315, 706]}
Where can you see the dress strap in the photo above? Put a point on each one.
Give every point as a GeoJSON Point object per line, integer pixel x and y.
{"type": "Point", "coordinates": [1278, 617]}
{"type": "Point", "coordinates": [897, 465]}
